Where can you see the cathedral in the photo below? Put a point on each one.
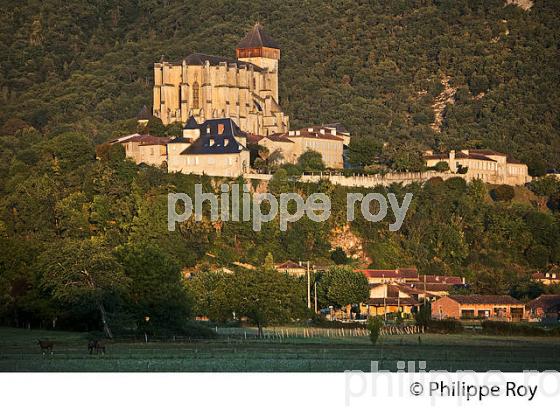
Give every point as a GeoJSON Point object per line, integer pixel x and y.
{"type": "Point", "coordinates": [205, 87]}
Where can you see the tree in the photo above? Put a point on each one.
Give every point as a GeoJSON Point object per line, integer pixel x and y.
{"type": "Point", "coordinates": [279, 182]}
{"type": "Point", "coordinates": [502, 193]}
{"type": "Point", "coordinates": [441, 166]}
{"type": "Point", "coordinates": [210, 292]}
{"type": "Point", "coordinates": [156, 289]}
{"type": "Point", "coordinates": [339, 257]}
{"type": "Point", "coordinates": [82, 272]}
{"type": "Point", "coordinates": [364, 151]}
{"type": "Point", "coordinates": [311, 161]}
{"type": "Point", "coordinates": [342, 286]}
{"type": "Point", "coordinates": [267, 296]}
{"type": "Point", "coordinates": [374, 325]}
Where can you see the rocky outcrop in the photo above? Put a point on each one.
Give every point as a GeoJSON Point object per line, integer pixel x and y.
{"type": "Point", "coordinates": [353, 245]}
{"type": "Point", "coordinates": [447, 96]}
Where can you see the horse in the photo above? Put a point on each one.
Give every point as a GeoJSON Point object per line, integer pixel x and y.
{"type": "Point", "coordinates": [97, 346]}
{"type": "Point", "coordinates": [91, 346]}
{"type": "Point", "coordinates": [100, 347]}
{"type": "Point", "coordinates": [46, 346]}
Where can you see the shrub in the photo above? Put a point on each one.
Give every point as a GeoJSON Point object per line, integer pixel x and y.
{"type": "Point", "coordinates": [441, 166]}
{"type": "Point", "coordinates": [375, 324]}
{"type": "Point", "coordinates": [424, 314]}
{"type": "Point", "coordinates": [491, 327]}
{"type": "Point", "coordinates": [503, 193]}
{"type": "Point", "coordinates": [445, 326]}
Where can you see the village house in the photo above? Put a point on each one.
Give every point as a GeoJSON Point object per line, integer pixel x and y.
{"type": "Point", "coordinates": [215, 148]}
{"type": "Point", "coordinates": [327, 140]}
{"type": "Point", "coordinates": [399, 275]}
{"type": "Point", "coordinates": [482, 307]}
{"type": "Point", "coordinates": [145, 149]}
{"type": "Point", "coordinates": [545, 308]}
{"type": "Point", "coordinates": [489, 166]}
{"type": "Point", "coordinates": [291, 268]}
{"type": "Point", "coordinates": [550, 277]}
{"type": "Point", "coordinates": [390, 298]}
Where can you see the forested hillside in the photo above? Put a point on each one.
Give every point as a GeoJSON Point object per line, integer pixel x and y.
{"type": "Point", "coordinates": [75, 73]}
{"type": "Point", "coordinates": [376, 65]}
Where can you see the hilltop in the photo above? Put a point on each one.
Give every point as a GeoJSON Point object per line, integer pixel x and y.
{"type": "Point", "coordinates": [377, 66]}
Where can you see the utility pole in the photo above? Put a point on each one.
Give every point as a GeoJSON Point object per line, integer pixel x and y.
{"type": "Point", "coordinates": [308, 287]}
{"type": "Point", "coordinates": [315, 292]}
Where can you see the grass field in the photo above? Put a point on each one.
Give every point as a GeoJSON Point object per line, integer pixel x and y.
{"type": "Point", "coordinates": [19, 352]}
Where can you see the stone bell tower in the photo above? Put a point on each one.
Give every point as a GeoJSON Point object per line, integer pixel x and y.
{"type": "Point", "coordinates": [260, 49]}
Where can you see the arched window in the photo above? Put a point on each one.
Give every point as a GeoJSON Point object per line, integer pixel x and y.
{"type": "Point", "coordinates": [196, 95]}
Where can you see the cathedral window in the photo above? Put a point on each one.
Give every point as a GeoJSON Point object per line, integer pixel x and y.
{"type": "Point", "coordinates": [196, 95]}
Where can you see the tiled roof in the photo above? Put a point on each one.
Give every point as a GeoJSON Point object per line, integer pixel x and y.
{"type": "Point", "coordinates": [460, 155]}
{"type": "Point", "coordinates": [253, 138]}
{"type": "Point", "coordinates": [545, 302]}
{"type": "Point", "coordinates": [408, 273]}
{"type": "Point", "coordinates": [257, 38]}
{"type": "Point", "coordinates": [304, 133]}
{"type": "Point", "coordinates": [147, 140]}
{"type": "Point", "coordinates": [279, 138]}
{"type": "Point", "coordinates": [453, 280]}
{"type": "Point", "coordinates": [289, 265]}
{"type": "Point", "coordinates": [393, 301]}
{"type": "Point", "coordinates": [485, 299]}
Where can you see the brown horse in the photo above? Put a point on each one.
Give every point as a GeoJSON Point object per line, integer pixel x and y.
{"type": "Point", "coordinates": [97, 346]}
{"type": "Point", "coordinates": [46, 346]}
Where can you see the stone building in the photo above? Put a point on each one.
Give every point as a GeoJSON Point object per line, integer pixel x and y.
{"type": "Point", "coordinates": [327, 140]}
{"type": "Point", "coordinates": [217, 147]}
{"type": "Point", "coordinates": [490, 166]}
{"type": "Point", "coordinates": [482, 307]}
{"type": "Point", "coordinates": [145, 149]}
{"type": "Point", "coordinates": [244, 89]}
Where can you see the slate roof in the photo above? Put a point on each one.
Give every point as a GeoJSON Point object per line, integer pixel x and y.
{"type": "Point", "coordinates": [338, 127]}
{"type": "Point", "coordinates": [211, 142]}
{"type": "Point", "coordinates": [200, 59]}
{"type": "Point", "coordinates": [257, 38]}
{"type": "Point", "coordinates": [485, 299]}
{"type": "Point", "coordinates": [191, 124]}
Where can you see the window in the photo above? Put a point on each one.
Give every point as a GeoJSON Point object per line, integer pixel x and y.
{"type": "Point", "coordinates": [196, 95]}
{"type": "Point", "coordinates": [467, 313]}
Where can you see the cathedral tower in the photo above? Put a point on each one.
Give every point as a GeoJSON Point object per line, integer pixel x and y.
{"type": "Point", "coordinates": [260, 49]}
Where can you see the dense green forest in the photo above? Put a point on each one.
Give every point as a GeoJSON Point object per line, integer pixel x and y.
{"type": "Point", "coordinates": [376, 66]}
{"type": "Point", "coordinates": [75, 73]}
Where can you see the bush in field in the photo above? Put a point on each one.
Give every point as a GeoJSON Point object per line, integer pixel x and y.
{"type": "Point", "coordinates": [424, 314]}
{"type": "Point", "coordinates": [445, 326]}
{"type": "Point", "coordinates": [375, 324]}
{"type": "Point", "coordinates": [516, 329]}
